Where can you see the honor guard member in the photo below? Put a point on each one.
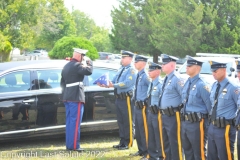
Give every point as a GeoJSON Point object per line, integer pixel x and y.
{"type": "Point", "coordinates": [140, 98]}
{"type": "Point", "coordinates": [153, 118]}
{"type": "Point", "coordinates": [123, 83]}
{"type": "Point", "coordinates": [73, 96]}
{"type": "Point", "coordinates": [197, 105]}
{"type": "Point", "coordinates": [222, 132]}
{"type": "Point", "coordinates": [238, 113]}
{"type": "Point", "coordinates": [170, 106]}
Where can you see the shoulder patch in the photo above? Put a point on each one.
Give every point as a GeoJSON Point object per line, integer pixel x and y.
{"type": "Point", "coordinates": [181, 83]}
{"type": "Point", "coordinates": [207, 88]}
{"type": "Point", "coordinates": [237, 91]}
{"type": "Point", "coordinates": [132, 71]}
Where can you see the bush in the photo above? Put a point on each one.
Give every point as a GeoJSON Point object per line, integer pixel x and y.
{"type": "Point", "coordinates": [5, 51]}
{"type": "Point", "coordinates": [64, 48]}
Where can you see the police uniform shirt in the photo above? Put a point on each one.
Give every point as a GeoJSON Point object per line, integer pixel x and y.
{"type": "Point", "coordinates": [172, 91]}
{"type": "Point", "coordinates": [227, 99]}
{"type": "Point", "coordinates": [156, 91]}
{"type": "Point", "coordinates": [126, 80]}
{"type": "Point", "coordinates": [142, 86]}
{"type": "Point", "coordinates": [199, 95]}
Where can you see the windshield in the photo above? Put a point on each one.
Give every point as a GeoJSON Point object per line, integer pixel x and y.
{"type": "Point", "coordinates": [206, 69]}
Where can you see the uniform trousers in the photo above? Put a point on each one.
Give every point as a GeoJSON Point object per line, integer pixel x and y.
{"type": "Point", "coordinates": [194, 139]}
{"type": "Point", "coordinates": [125, 124]}
{"type": "Point", "coordinates": [141, 130]}
{"type": "Point", "coordinates": [154, 144]}
{"type": "Point", "coordinates": [74, 113]}
{"type": "Point", "coordinates": [221, 142]}
{"type": "Point", "coordinates": [171, 131]}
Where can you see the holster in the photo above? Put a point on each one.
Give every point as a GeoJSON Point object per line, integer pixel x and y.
{"type": "Point", "coordinates": [140, 104]}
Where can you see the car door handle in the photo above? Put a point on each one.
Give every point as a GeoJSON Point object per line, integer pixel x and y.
{"type": "Point", "coordinates": [28, 101]}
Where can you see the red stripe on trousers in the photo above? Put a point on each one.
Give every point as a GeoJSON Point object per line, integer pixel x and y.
{"type": "Point", "coordinates": [76, 127]}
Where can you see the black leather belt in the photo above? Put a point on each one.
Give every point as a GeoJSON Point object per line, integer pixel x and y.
{"type": "Point", "coordinates": [194, 117]}
{"type": "Point", "coordinates": [170, 111]}
{"type": "Point", "coordinates": [221, 122]}
{"type": "Point", "coordinates": [154, 109]}
{"type": "Point", "coordinates": [124, 95]}
{"type": "Point", "coordinates": [140, 104]}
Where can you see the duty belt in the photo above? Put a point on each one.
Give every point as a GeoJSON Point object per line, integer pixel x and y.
{"type": "Point", "coordinates": [221, 122]}
{"type": "Point", "coordinates": [74, 84]}
{"type": "Point", "coordinates": [170, 111]}
{"type": "Point", "coordinates": [194, 117]}
{"type": "Point", "coordinates": [124, 95]}
{"type": "Point", "coordinates": [154, 109]}
{"type": "Point", "coordinates": [140, 104]}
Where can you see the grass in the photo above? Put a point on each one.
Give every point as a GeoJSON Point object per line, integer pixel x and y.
{"type": "Point", "coordinates": [97, 147]}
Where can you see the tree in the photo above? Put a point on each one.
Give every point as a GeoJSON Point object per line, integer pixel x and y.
{"type": "Point", "coordinates": [55, 23]}
{"type": "Point", "coordinates": [64, 48]}
{"type": "Point", "coordinates": [5, 48]}
{"type": "Point", "coordinates": [224, 37]}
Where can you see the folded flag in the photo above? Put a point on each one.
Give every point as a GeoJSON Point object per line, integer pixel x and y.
{"type": "Point", "coordinates": [103, 79]}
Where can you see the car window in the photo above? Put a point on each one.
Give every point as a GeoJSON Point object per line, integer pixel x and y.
{"type": "Point", "coordinates": [206, 68]}
{"type": "Point", "coordinates": [97, 72]}
{"type": "Point", "coordinates": [48, 79]}
{"type": "Point", "coordinates": [16, 81]}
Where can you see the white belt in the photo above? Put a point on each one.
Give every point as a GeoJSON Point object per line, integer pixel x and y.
{"type": "Point", "coordinates": [74, 84]}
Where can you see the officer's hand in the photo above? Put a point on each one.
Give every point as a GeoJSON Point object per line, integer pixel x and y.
{"type": "Point", "coordinates": [101, 85]}
{"type": "Point", "coordinates": [110, 84]}
{"type": "Point", "coordinates": [89, 62]}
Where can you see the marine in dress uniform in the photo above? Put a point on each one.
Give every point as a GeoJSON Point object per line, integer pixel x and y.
{"type": "Point", "coordinates": [238, 113]}
{"type": "Point", "coordinates": [153, 118]}
{"type": "Point", "coordinates": [170, 104]}
{"type": "Point", "coordinates": [73, 96]}
{"type": "Point", "coordinates": [222, 132]}
{"type": "Point", "coordinates": [123, 83]}
{"type": "Point", "coordinates": [197, 105]}
{"type": "Point", "coordinates": [140, 110]}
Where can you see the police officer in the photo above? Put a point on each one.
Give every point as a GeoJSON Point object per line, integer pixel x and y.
{"type": "Point", "coordinates": [197, 104]}
{"type": "Point", "coordinates": [238, 116]}
{"type": "Point", "coordinates": [221, 132]}
{"type": "Point", "coordinates": [73, 96]}
{"type": "Point", "coordinates": [153, 118]}
{"type": "Point", "coordinates": [140, 99]}
{"type": "Point", "coordinates": [123, 83]}
{"type": "Point", "coordinates": [170, 106]}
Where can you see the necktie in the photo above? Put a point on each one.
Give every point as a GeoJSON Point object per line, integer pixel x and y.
{"type": "Point", "coordinates": [135, 93]}
{"type": "Point", "coordinates": [163, 87]}
{"type": "Point", "coordinates": [115, 89]}
{"type": "Point", "coordinates": [149, 94]}
{"type": "Point", "coordinates": [214, 112]}
{"type": "Point", "coordinates": [188, 91]}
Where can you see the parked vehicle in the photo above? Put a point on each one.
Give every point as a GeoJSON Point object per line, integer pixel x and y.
{"type": "Point", "coordinates": [31, 106]}
{"type": "Point", "coordinates": [42, 53]}
{"type": "Point", "coordinates": [106, 56]}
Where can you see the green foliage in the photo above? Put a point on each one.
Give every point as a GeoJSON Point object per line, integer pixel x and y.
{"type": "Point", "coordinates": [87, 28]}
{"type": "Point", "coordinates": [5, 48]}
{"type": "Point", "coordinates": [64, 48]}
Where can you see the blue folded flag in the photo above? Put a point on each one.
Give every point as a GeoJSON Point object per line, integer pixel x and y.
{"type": "Point", "coordinates": [103, 79]}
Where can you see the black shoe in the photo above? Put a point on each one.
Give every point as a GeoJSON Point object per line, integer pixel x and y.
{"type": "Point", "coordinates": [122, 147]}
{"type": "Point", "coordinates": [116, 146]}
{"type": "Point", "coordinates": [136, 154]}
{"type": "Point", "coordinates": [143, 158]}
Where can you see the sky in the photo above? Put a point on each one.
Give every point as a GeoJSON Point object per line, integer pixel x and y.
{"type": "Point", "coordinates": [98, 10]}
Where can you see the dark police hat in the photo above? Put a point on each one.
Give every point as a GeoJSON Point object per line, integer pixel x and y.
{"type": "Point", "coordinates": [153, 66]}
{"type": "Point", "coordinates": [191, 61]}
{"type": "Point", "coordinates": [216, 65]}
{"type": "Point", "coordinates": [166, 58]}
{"type": "Point", "coordinates": [80, 51]}
{"type": "Point", "coordinates": [140, 58]}
{"type": "Point", "coordinates": [238, 65]}
{"type": "Point", "coordinates": [126, 53]}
